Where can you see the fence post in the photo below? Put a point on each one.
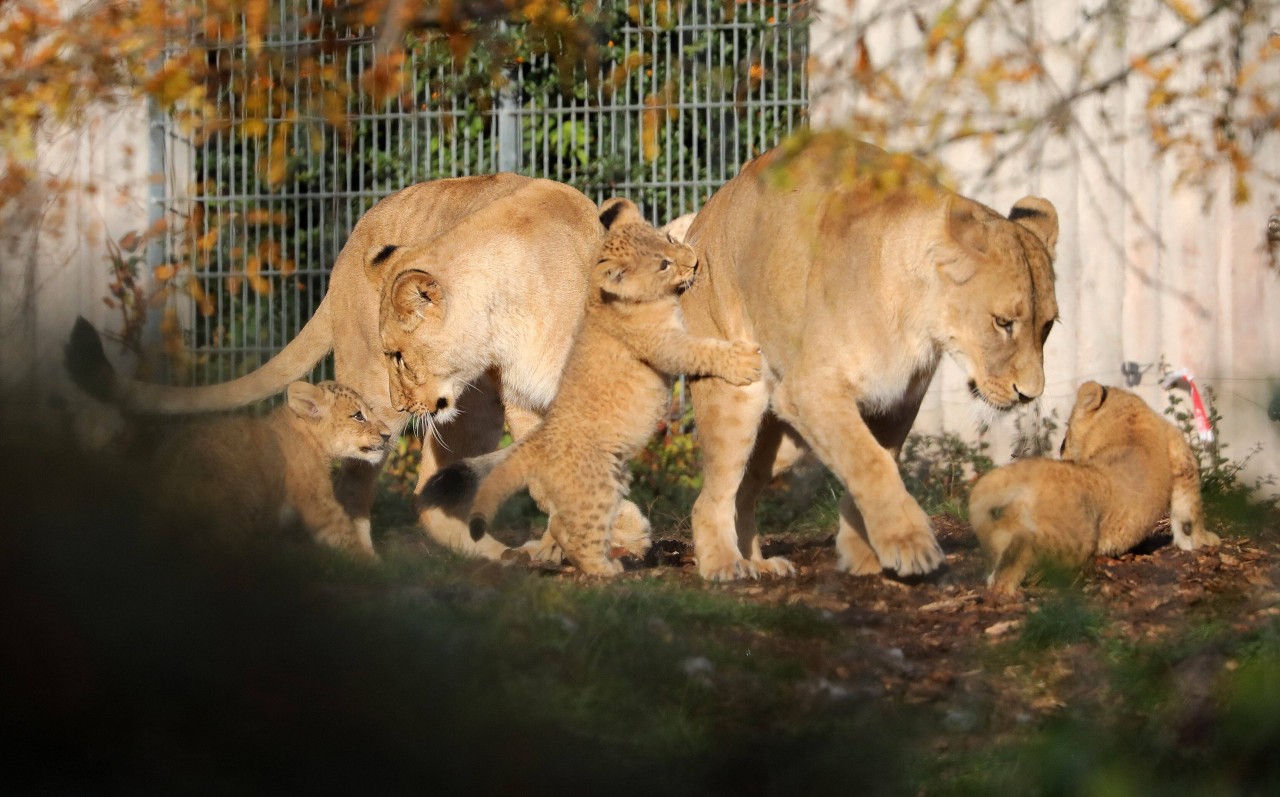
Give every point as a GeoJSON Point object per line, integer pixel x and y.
{"type": "Point", "coordinates": [508, 128]}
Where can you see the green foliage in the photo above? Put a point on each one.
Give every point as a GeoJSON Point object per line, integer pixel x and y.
{"type": "Point", "coordinates": [1226, 493]}
{"type": "Point", "coordinates": [1033, 433]}
{"type": "Point", "coordinates": [939, 470]}
{"type": "Point", "coordinates": [1063, 617]}
{"type": "Point", "coordinates": [660, 103]}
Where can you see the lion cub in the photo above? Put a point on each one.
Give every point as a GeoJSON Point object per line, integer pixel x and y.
{"type": "Point", "coordinates": [1122, 468]}
{"type": "Point", "coordinates": [613, 391]}
{"type": "Point", "coordinates": [248, 475]}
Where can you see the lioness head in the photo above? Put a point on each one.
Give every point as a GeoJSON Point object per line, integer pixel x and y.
{"type": "Point", "coordinates": [340, 419]}
{"type": "Point", "coordinates": [1000, 303]}
{"type": "Point", "coordinates": [637, 262]}
{"type": "Point", "coordinates": [434, 341]}
{"type": "Point", "coordinates": [1102, 417]}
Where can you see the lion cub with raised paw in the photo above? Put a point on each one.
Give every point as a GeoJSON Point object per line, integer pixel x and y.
{"type": "Point", "coordinates": [614, 390]}
{"type": "Point", "coordinates": [1123, 466]}
{"type": "Point", "coordinates": [248, 475]}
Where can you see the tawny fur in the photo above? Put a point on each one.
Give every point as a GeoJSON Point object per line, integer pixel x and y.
{"type": "Point", "coordinates": [855, 271]}
{"type": "Point", "coordinates": [469, 288]}
{"type": "Point", "coordinates": [1123, 467]}
{"type": "Point", "coordinates": [247, 475]}
{"type": "Point", "coordinates": [614, 390]}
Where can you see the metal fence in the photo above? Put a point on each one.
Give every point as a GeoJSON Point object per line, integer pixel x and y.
{"type": "Point", "coordinates": [683, 94]}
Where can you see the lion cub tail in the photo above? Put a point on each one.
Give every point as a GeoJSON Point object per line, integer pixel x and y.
{"type": "Point", "coordinates": [503, 481]}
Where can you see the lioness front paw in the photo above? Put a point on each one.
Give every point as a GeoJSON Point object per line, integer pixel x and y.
{"type": "Point", "coordinates": [726, 566]}
{"type": "Point", "coordinates": [774, 566]}
{"type": "Point", "coordinates": [911, 550]}
{"type": "Point", "coordinates": [745, 364]}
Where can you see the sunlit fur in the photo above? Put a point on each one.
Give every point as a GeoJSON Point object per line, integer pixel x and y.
{"type": "Point", "coordinates": [614, 390]}
{"type": "Point", "coordinates": [856, 271]}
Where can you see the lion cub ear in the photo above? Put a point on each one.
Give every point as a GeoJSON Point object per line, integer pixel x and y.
{"type": "Point", "coordinates": [375, 260]}
{"type": "Point", "coordinates": [308, 400]}
{"type": "Point", "coordinates": [414, 291]}
{"type": "Point", "coordinates": [617, 211]}
{"type": "Point", "coordinates": [1039, 216]}
{"type": "Point", "coordinates": [1090, 396]}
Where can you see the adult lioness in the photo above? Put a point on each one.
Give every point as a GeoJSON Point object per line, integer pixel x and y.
{"type": "Point", "coordinates": [505, 260]}
{"type": "Point", "coordinates": [855, 271]}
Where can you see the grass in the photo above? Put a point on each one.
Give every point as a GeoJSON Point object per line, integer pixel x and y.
{"type": "Point", "coordinates": [139, 659]}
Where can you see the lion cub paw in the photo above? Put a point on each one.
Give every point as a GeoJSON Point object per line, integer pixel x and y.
{"type": "Point", "coordinates": [601, 566]}
{"type": "Point", "coordinates": [744, 364]}
{"type": "Point", "coordinates": [544, 549]}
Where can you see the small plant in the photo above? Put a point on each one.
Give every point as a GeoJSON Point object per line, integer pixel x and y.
{"type": "Point", "coordinates": [1222, 485]}
{"type": "Point", "coordinates": [1033, 433]}
{"type": "Point", "coordinates": [940, 469]}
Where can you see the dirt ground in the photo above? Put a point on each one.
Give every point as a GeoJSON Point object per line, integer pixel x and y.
{"type": "Point", "coordinates": [937, 641]}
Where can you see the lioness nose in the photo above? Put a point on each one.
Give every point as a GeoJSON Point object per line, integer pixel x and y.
{"type": "Point", "coordinates": [441, 403]}
{"type": "Point", "coordinates": [386, 436]}
{"type": "Point", "coordinates": [1024, 398]}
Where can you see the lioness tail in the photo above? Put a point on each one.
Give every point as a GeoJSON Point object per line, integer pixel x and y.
{"type": "Point", "coordinates": [89, 368]}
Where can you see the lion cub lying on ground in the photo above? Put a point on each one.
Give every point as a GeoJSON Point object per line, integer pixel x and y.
{"type": "Point", "coordinates": [247, 475]}
{"type": "Point", "coordinates": [613, 391]}
{"type": "Point", "coordinates": [1122, 467]}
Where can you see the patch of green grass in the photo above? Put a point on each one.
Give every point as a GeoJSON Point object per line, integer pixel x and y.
{"type": "Point", "coordinates": [1063, 616]}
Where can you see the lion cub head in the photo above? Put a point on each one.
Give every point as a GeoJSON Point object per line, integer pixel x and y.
{"type": "Point", "coordinates": [340, 420]}
{"type": "Point", "coordinates": [637, 262]}
{"type": "Point", "coordinates": [1105, 417]}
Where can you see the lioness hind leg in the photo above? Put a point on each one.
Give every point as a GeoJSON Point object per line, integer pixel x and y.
{"type": "Point", "coordinates": [728, 420]}
{"type": "Point", "coordinates": [768, 458]}
{"type": "Point", "coordinates": [353, 487]}
{"type": "Point", "coordinates": [1186, 510]}
{"type": "Point", "coordinates": [477, 431]}
{"type": "Point", "coordinates": [854, 554]}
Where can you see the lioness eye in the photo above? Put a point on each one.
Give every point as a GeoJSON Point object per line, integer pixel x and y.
{"type": "Point", "coordinates": [359, 416]}
{"type": "Point", "coordinates": [1005, 324]}
{"type": "Point", "coordinates": [666, 264]}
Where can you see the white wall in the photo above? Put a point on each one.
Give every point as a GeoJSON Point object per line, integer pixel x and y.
{"type": "Point", "coordinates": [91, 186]}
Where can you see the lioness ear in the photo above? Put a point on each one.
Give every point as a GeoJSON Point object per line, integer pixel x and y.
{"type": "Point", "coordinates": [616, 211]}
{"type": "Point", "coordinates": [307, 400]}
{"type": "Point", "coordinates": [967, 229]}
{"type": "Point", "coordinates": [413, 291]}
{"type": "Point", "coordinates": [1039, 216]}
{"type": "Point", "coordinates": [375, 262]}
{"type": "Point", "coordinates": [1090, 396]}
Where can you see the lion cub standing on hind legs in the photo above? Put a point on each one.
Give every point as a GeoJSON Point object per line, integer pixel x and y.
{"type": "Point", "coordinates": [1122, 467]}
{"type": "Point", "coordinates": [613, 391]}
